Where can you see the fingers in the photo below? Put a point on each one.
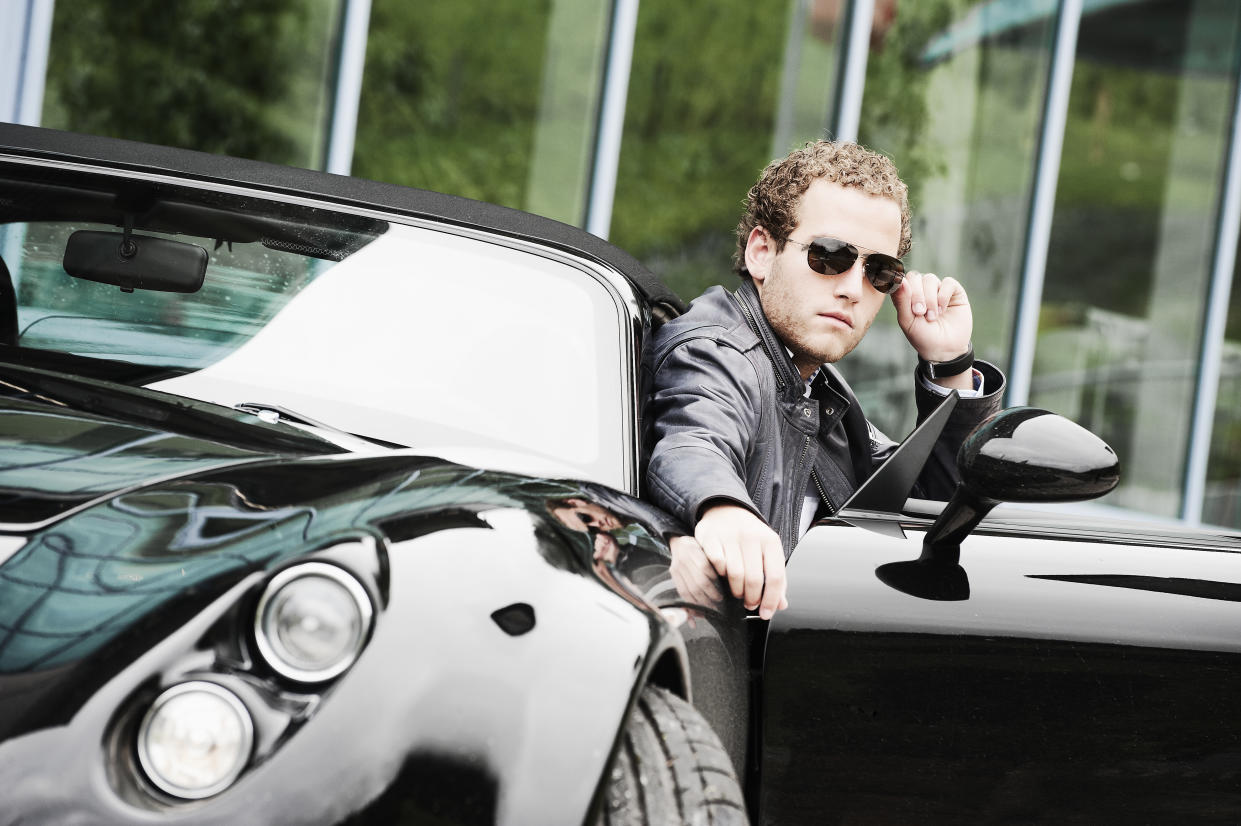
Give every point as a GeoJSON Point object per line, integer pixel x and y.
{"type": "Point", "coordinates": [691, 589]}
{"type": "Point", "coordinates": [752, 556]}
{"type": "Point", "coordinates": [934, 314]}
{"type": "Point", "coordinates": [735, 570]}
{"type": "Point", "coordinates": [773, 574]}
{"type": "Point", "coordinates": [902, 300]}
{"type": "Point", "coordinates": [930, 296]}
{"type": "Point", "coordinates": [917, 295]}
{"type": "Point", "coordinates": [951, 294]}
{"type": "Point", "coordinates": [692, 573]}
{"type": "Point", "coordinates": [917, 298]}
{"type": "Point", "coordinates": [714, 552]}
{"type": "Point", "coordinates": [752, 579]}
{"type": "Point", "coordinates": [926, 295]}
{"type": "Point", "coordinates": [924, 298]}
{"type": "Point", "coordinates": [704, 584]}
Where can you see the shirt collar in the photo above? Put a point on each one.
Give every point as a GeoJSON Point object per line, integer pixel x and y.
{"type": "Point", "coordinates": [810, 381]}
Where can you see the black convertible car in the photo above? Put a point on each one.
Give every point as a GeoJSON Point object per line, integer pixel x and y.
{"type": "Point", "coordinates": [316, 506]}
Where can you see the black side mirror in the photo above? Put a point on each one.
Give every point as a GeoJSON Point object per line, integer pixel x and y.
{"type": "Point", "coordinates": [1022, 454]}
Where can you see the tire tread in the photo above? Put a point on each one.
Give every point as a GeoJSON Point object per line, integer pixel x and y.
{"type": "Point", "coordinates": [671, 770]}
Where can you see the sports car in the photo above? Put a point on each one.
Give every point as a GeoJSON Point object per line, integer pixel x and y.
{"type": "Point", "coordinates": [318, 504]}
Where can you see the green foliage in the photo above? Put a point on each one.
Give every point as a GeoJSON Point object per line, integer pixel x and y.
{"type": "Point", "coordinates": [895, 112]}
{"type": "Point", "coordinates": [450, 96]}
{"type": "Point", "coordinates": [237, 77]}
{"type": "Point", "coordinates": [453, 92]}
{"type": "Point", "coordinates": [698, 124]}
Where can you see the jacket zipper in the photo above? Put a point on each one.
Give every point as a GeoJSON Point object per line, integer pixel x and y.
{"type": "Point", "coordinates": [797, 498]}
{"type": "Point", "coordinates": [831, 505]}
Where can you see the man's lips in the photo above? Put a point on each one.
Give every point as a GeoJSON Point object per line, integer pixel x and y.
{"type": "Point", "coordinates": [843, 318]}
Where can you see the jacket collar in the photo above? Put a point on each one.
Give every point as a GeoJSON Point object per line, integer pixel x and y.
{"type": "Point", "coordinates": [787, 375]}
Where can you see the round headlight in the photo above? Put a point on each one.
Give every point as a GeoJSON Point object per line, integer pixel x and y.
{"type": "Point", "coordinates": [312, 622]}
{"type": "Point", "coordinates": [195, 739]}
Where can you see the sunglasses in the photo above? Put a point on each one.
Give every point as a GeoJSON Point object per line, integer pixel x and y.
{"type": "Point", "coordinates": [831, 256]}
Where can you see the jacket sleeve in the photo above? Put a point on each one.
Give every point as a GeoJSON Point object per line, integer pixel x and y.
{"type": "Point", "coordinates": [701, 412]}
{"type": "Point", "coordinates": [939, 477]}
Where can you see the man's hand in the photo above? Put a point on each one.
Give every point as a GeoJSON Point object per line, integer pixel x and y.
{"type": "Point", "coordinates": [742, 547]}
{"type": "Point", "coordinates": [692, 573]}
{"type": "Point", "coordinates": [934, 315]}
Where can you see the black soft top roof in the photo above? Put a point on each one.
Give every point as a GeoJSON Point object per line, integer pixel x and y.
{"type": "Point", "coordinates": [50, 144]}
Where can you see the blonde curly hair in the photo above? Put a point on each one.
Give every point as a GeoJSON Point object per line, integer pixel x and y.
{"type": "Point", "coordinates": [772, 202]}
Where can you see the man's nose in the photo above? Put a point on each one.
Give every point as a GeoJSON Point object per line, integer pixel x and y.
{"type": "Point", "coordinates": [850, 283]}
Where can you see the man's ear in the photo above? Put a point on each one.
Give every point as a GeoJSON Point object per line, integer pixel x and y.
{"type": "Point", "coordinates": [760, 252]}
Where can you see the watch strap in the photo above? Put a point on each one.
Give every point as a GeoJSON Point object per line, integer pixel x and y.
{"type": "Point", "coordinates": [952, 367]}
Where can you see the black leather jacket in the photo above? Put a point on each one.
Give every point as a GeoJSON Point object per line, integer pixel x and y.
{"type": "Point", "coordinates": [726, 417]}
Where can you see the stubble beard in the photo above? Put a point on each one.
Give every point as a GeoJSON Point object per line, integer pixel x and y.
{"type": "Point", "coordinates": [809, 350]}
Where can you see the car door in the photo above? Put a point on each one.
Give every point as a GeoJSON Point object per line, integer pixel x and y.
{"type": "Point", "coordinates": [1074, 671]}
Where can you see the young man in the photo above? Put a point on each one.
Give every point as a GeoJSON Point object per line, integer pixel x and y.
{"type": "Point", "coordinates": [748, 428]}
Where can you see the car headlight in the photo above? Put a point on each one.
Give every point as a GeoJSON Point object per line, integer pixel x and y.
{"type": "Point", "coordinates": [195, 739]}
{"type": "Point", "coordinates": [312, 622]}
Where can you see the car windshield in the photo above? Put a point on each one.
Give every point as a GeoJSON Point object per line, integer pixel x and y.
{"type": "Point", "coordinates": [419, 337]}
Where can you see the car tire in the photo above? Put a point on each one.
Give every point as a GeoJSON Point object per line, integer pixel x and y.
{"type": "Point", "coordinates": [670, 768]}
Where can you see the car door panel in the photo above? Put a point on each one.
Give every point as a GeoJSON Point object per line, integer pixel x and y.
{"type": "Point", "coordinates": [1075, 681]}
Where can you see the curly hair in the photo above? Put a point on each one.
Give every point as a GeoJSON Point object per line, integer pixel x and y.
{"type": "Point", "coordinates": [772, 202]}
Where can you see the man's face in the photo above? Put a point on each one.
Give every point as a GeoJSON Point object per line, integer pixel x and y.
{"type": "Point", "coordinates": [821, 318]}
{"type": "Point", "coordinates": [583, 515]}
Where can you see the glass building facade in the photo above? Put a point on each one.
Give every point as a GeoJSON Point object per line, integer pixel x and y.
{"type": "Point", "coordinates": [1075, 163]}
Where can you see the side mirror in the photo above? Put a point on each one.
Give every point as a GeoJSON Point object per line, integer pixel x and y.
{"type": "Point", "coordinates": [1029, 455]}
{"type": "Point", "coordinates": [1022, 454]}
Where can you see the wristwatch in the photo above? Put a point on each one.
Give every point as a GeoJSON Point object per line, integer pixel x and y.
{"type": "Point", "coordinates": [952, 367]}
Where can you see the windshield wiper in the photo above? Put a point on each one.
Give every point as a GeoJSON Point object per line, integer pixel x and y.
{"type": "Point", "coordinates": [162, 410]}
{"type": "Point", "coordinates": [275, 413]}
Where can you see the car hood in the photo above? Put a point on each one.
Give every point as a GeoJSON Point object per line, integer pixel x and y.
{"type": "Point", "coordinates": [153, 577]}
{"type": "Point", "coordinates": [55, 460]}
{"type": "Point", "coordinates": [116, 532]}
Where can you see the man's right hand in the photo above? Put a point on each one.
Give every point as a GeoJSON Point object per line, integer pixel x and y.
{"type": "Point", "coordinates": [745, 550]}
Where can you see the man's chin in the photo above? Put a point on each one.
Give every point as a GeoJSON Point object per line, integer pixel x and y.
{"type": "Point", "coordinates": [830, 354]}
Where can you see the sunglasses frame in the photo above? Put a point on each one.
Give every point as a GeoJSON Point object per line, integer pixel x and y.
{"type": "Point", "coordinates": [881, 261]}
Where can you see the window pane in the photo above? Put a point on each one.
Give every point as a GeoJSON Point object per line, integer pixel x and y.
{"type": "Point", "coordinates": [236, 78]}
{"type": "Point", "coordinates": [701, 120]}
{"type": "Point", "coordinates": [954, 94]}
{"type": "Point", "coordinates": [808, 78]}
{"type": "Point", "coordinates": [1131, 242]}
{"type": "Point", "coordinates": [491, 99]}
{"type": "Point", "coordinates": [1222, 498]}
{"type": "Point", "coordinates": [242, 292]}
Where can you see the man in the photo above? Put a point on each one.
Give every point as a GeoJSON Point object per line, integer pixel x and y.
{"type": "Point", "coordinates": [748, 428]}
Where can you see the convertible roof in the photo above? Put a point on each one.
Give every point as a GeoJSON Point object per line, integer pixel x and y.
{"type": "Point", "coordinates": [50, 144]}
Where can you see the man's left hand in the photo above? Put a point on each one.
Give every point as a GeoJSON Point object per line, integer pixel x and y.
{"type": "Point", "coordinates": [934, 314]}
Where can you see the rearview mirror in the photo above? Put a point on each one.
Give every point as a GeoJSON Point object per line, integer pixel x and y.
{"type": "Point", "coordinates": [135, 261]}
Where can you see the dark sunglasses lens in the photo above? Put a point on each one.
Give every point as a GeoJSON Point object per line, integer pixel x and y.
{"type": "Point", "coordinates": [884, 272]}
{"type": "Point", "coordinates": [827, 256]}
